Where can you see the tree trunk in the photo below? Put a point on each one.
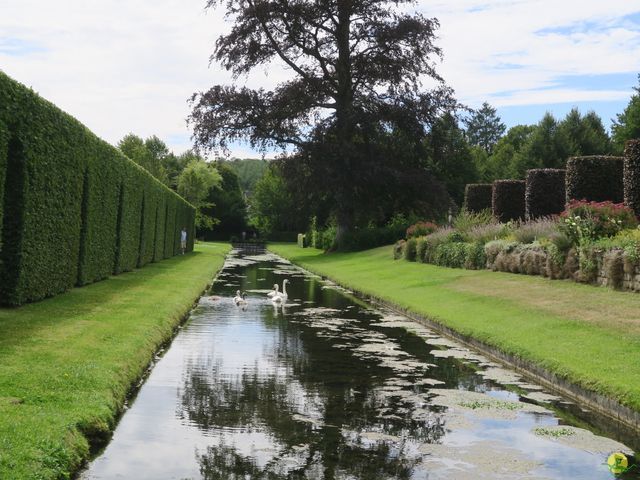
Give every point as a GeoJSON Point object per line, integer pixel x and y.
{"type": "Point", "coordinates": [344, 221]}
{"type": "Point", "coordinates": [344, 122]}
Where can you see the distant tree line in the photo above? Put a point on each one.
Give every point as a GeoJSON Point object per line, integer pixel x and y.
{"type": "Point", "coordinates": [462, 147]}
{"type": "Point", "coordinates": [217, 189]}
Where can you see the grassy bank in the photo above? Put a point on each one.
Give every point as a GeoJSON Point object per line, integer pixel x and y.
{"type": "Point", "coordinates": [589, 335]}
{"type": "Point", "coordinates": [67, 363]}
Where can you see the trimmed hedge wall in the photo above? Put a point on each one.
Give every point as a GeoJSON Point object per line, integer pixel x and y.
{"type": "Point", "coordinates": [595, 178]}
{"type": "Point", "coordinates": [508, 200]}
{"type": "Point", "coordinates": [545, 192]}
{"type": "Point", "coordinates": [478, 197]}
{"type": "Point", "coordinates": [631, 175]}
{"type": "Point", "coordinates": [4, 146]}
{"type": "Point", "coordinates": [71, 210]}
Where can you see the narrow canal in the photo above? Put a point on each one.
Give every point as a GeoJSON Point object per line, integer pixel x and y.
{"type": "Point", "coordinates": [328, 387]}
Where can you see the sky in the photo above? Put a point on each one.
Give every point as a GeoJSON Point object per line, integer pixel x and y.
{"type": "Point", "coordinates": [129, 66]}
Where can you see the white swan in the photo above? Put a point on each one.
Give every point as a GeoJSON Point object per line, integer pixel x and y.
{"type": "Point", "coordinates": [273, 292]}
{"type": "Point", "coordinates": [239, 299]}
{"type": "Point", "coordinates": [281, 297]}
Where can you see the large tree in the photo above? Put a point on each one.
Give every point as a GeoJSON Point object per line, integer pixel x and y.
{"type": "Point", "coordinates": [450, 156]}
{"type": "Point", "coordinates": [194, 184]}
{"type": "Point", "coordinates": [484, 127]}
{"type": "Point", "coordinates": [353, 103]}
{"type": "Point", "coordinates": [626, 126]}
{"type": "Point", "coordinates": [149, 154]}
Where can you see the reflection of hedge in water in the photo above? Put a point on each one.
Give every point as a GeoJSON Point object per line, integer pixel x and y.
{"type": "Point", "coordinates": [595, 178]}
{"type": "Point", "coordinates": [71, 213]}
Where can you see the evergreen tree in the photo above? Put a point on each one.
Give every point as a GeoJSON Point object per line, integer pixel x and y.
{"type": "Point", "coordinates": [484, 127]}
{"type": "Point", "coordinates": [449, 156]}
{"type": "Point", "coordinates": [626, 126]}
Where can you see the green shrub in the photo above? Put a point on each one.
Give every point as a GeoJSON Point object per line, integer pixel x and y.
{"type": "Point", "coordinates": [583, 222]}
{"type": "Point", "coordinates": [450, 255]}
{"type": "Point", "coordinates": [420, 229]}
{"type": "Point", "coordinates": [433, 240]}
{"type": "Point", "coordinates": [486, 233]}
{"type": "Point", "coordinates": [477, 197]}
{"type": "Point", "coordinates": [508, 200]}
{"type": "Point", "coordinates": [410, 250]}
{"type": "Point", "coordinates": [327, 238]}
{"type": "Point", "coordinates": [70, 210]}
{"type": "Point", "coordinates": [460, 255]}
{"type": "Point", "coordinates": [475, 256]}
{"type": "Point", "coordinates": [465, 221]}
{"type": "Point", "coordinates": [422, 246]}
{"type": "Point", "coordinates": [545, 192]}
{"type": "Point", "coordinates": [494, 248]}
{"type": "Point", "coordinates": [595, 178]}
{"type": "Point", "coordinates": [398, 249]}
{"type": "Point", "coordinates": [528, 232]}
{"type": "Point", "coordinates": [613, 266]}
{"type": "Point", "coordinates": [631, 177]}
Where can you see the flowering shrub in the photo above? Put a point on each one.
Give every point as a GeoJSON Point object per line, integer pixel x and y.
{"type": "Point", "coordinates": [585, 221]}
{"type": "Point", "coordinates": [420, 229]}
{"type": "Point", "coordinates": [528, 232]}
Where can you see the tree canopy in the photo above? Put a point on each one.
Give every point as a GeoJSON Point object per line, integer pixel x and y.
{"type": "Point", "coordinates": [626, 125]}
{"type": "Point", "coordinates": [355, 103]}
{"type": "Point", "coordinates": [149, 154]}
{"type": "Point", "coordinates": [484, 127]}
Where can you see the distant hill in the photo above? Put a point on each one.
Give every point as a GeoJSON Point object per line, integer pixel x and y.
{"type": "Point", "coordinates": [249, 171]}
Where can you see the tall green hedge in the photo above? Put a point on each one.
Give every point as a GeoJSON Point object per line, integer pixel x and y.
{"type": "Point", "coordinates": [170, 228]}
{"type": "Point", "coordinates": [631, 175]}
{"type": "Point", "coordinates": [477, 197]}
{"type": "Point", "coordinates": [595, 178]}
{"type": "Point", "coordinates": [545, 192]}
{"type": "Point", "coordinates": [4, 146]}
{"type": "Point", "coordinates": [71, 208]}
{"type": "Point", "coordinates": [508, 200]}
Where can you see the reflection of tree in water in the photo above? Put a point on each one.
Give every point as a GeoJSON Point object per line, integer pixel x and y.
{"type": "Point", "coordinates": [303, 373]}
{"type": "Point", "coordinates": [224, 462]}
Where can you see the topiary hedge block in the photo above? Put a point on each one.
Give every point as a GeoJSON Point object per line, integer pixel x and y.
{"type": "Point", "coordinates": [478, 197]}
{"type": "Point", "coordinates": [632, 175]}
{"type": "Point", "coordinates": [72, 210]}
{"type": "Point", "coordinates": [545, 192]}
{"type": "Point", "coordinates": [595, 178]}
{"type": "Point", "coordinates": [508, 200]}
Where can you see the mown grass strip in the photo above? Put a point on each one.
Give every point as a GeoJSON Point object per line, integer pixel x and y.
{"type": "Point", "coordinates": [67, 363]}
{"type": "Point", "coordinates": [521, 315]}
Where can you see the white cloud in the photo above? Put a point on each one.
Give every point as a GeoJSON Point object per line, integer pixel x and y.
{"type": "Point", "coordinates": [546, 39]}
{"type": "Point", "coordinates": [129, 66]}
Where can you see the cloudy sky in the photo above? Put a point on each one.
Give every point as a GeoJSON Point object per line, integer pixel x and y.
{"type": "Point", "coordinates": [123, 66]}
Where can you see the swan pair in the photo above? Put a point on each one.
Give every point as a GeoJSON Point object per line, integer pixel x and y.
{"type": "Point", "coordinates": [277, 296]}
{"type": "Point", "coordinates": [240, 299]}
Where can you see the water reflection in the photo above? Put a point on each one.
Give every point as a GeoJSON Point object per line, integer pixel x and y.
{"type": "Point", "coordinates": [328, 388]}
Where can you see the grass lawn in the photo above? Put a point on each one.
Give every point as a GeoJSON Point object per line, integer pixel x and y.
{"type": "Point", "coordinates": [589, 335]}
{"type": "Point", "coordinates": [67, 363]}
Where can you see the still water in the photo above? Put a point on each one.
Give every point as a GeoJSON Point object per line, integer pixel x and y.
{"type": "Point", "coordinates": [328, 387]}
